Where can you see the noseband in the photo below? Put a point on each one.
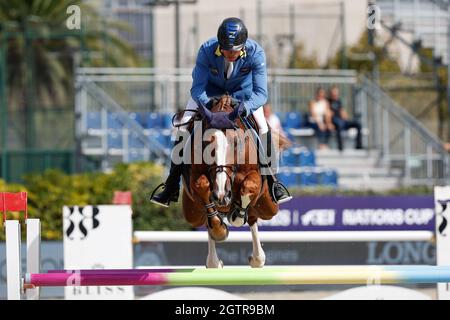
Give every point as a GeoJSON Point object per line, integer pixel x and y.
{"type": "Point", "coordinates": [218, 169]}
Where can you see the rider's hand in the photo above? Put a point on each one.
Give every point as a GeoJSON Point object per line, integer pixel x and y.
{"type": "Point", "coordinates": [210, 104]}
{"type": "Point", "coordinates": [242, 109]}
{"type": "Point", "coordinates": [244, 112]}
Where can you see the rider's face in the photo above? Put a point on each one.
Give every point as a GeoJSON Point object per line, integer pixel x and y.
{"type": "Point", "coordinates": [231, 55]}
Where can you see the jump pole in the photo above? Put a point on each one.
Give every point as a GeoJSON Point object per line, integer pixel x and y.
{"type": "Point", "coordinates": [295, 275]}
{"type": "Point", "coordinates": [288, 236]}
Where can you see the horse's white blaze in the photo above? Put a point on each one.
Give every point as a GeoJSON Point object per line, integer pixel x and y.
{"type": "Point", "coordinates": [221, 160]}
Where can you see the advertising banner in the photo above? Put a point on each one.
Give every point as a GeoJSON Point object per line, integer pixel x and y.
{"type": "Point", "coordinates": [442, 201]}
{"type": "Point", "coordinates": [334, 213]}
{"type": "Point", "coordinates": [98, 237]}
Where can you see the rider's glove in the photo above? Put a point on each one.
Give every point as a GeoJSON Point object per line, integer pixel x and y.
{"type": "Point", "coordinates": [210, 104]}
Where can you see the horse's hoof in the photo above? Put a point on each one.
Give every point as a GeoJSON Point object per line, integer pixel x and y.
{"type": "Point", "coordinates": [235, 220]}
{"type": "Point", "coordinates": [217, 264]}
{"type": "Point", "coordinates": [219, 231]}
{"type": "Point", "coordinates": [257, 262]}
{"type": "Point", "coordinates": [219, 235]}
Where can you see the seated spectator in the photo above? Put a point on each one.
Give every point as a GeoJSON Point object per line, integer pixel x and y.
{"type": "Point", "coordinates": [447, 146]}
{"type": "Point", "coordinates": [273, 120]}
{"type": "Point", "coordinates": [320, 118]}
{"type": "Point", "coordinates": [341, 119]}
{"type": "Point", "coordinates": [275, 124]}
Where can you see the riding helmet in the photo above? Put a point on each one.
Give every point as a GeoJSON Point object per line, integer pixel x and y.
{"type": "Point", "coordinates": [232, 34]}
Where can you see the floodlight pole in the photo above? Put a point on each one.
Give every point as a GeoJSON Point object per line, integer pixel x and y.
{"type": "Point", "coordinates": [176, 3]}
{"type": "Point", "coordinates": [177, 53]}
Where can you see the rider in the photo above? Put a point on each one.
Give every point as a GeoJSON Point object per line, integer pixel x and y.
{"type": "Point", "coordinates": [229, 64]}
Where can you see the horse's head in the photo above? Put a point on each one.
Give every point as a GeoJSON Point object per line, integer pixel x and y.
{"type": "Point", "coordinates": [223, 168]}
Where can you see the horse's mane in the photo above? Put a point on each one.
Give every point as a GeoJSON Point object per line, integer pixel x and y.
{"type": "Point", "coordinates": [224, 104]}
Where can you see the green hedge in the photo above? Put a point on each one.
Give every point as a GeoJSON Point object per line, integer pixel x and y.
{"type": "Point", "coordinates": [48, 192]}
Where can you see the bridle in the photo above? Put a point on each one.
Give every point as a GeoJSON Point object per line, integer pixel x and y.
{"type": "Point", "coordinates": [231, 172]}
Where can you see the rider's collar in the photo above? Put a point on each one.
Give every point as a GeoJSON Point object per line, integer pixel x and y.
{"type": "Point", "coordinates": [242, 54]}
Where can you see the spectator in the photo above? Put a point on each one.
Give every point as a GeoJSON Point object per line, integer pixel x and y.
{"type": "Point", "coordinates": [275, 124]}
{"type": "Point", "coordinates": [320, 117]}
{"type": "Point", "coordinates": [341, 120]}
{"type": "Point", "coordinates": [273, 120]}
{"type": "Point", "coordinates": [447, 146]}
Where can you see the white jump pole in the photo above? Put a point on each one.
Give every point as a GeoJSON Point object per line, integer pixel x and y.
{"type": "Point", "coordinates": [33, 253]}
{"type": "Point", "coordinates": [288, 236]}
{"type": "Point", "coordinates": [13, 260]}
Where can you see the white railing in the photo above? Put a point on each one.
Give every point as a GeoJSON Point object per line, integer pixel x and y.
{"type": "Point", "coordinates": [404, 143]}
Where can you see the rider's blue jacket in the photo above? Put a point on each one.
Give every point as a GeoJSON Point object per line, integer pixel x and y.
{"type": "Point", "coordinates": [247, 83]}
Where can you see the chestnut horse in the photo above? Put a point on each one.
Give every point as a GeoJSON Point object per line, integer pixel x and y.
{"type": "Point", "coordinates": [227, 187]}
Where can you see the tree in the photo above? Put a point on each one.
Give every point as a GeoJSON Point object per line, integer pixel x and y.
{"type": "Point", "coordinates": [299, 59]}
{"type": "Point", "coordinates": [361, 49]}
{"type": "Point", "coordinates": [40, 48]}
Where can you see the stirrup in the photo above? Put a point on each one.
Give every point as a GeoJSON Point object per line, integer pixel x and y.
{"type": "Point", "coordinates": [156, 189]}
{"type": "Point", "coordinates": [157, 202]}
{"type": "Point", "coordinates": [288, 198]}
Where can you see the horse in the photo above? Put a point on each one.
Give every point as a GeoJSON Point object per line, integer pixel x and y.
{"type": "Point", "coordinates": [227, 187]}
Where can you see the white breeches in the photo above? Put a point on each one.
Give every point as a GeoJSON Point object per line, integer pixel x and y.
{"type": "Point", "coordinates": [258, 115]}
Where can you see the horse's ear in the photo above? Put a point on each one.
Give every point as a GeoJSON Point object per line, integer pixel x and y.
{"type": "Point", "coordinates": [205, 112]}
{"type": "Point", "coordinates": [236, 112]}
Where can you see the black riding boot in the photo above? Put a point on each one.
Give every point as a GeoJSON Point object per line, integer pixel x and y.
{"type": "Point", "coordinates": [277, 190]}
{"type": "Point", "coordinates": [171, 189]}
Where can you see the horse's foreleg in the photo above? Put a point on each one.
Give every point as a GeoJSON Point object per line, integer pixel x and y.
{"type": "Point", "coordinates": [239, 216]}
{"type": "Point", "coordinates": [216, 227]}
{"type": "Point", "coordinates": [248, 193]}
{"type": "Point", "coordinates": [212, 260]}
{"type": "Point", "coordinates": [258, 257]}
